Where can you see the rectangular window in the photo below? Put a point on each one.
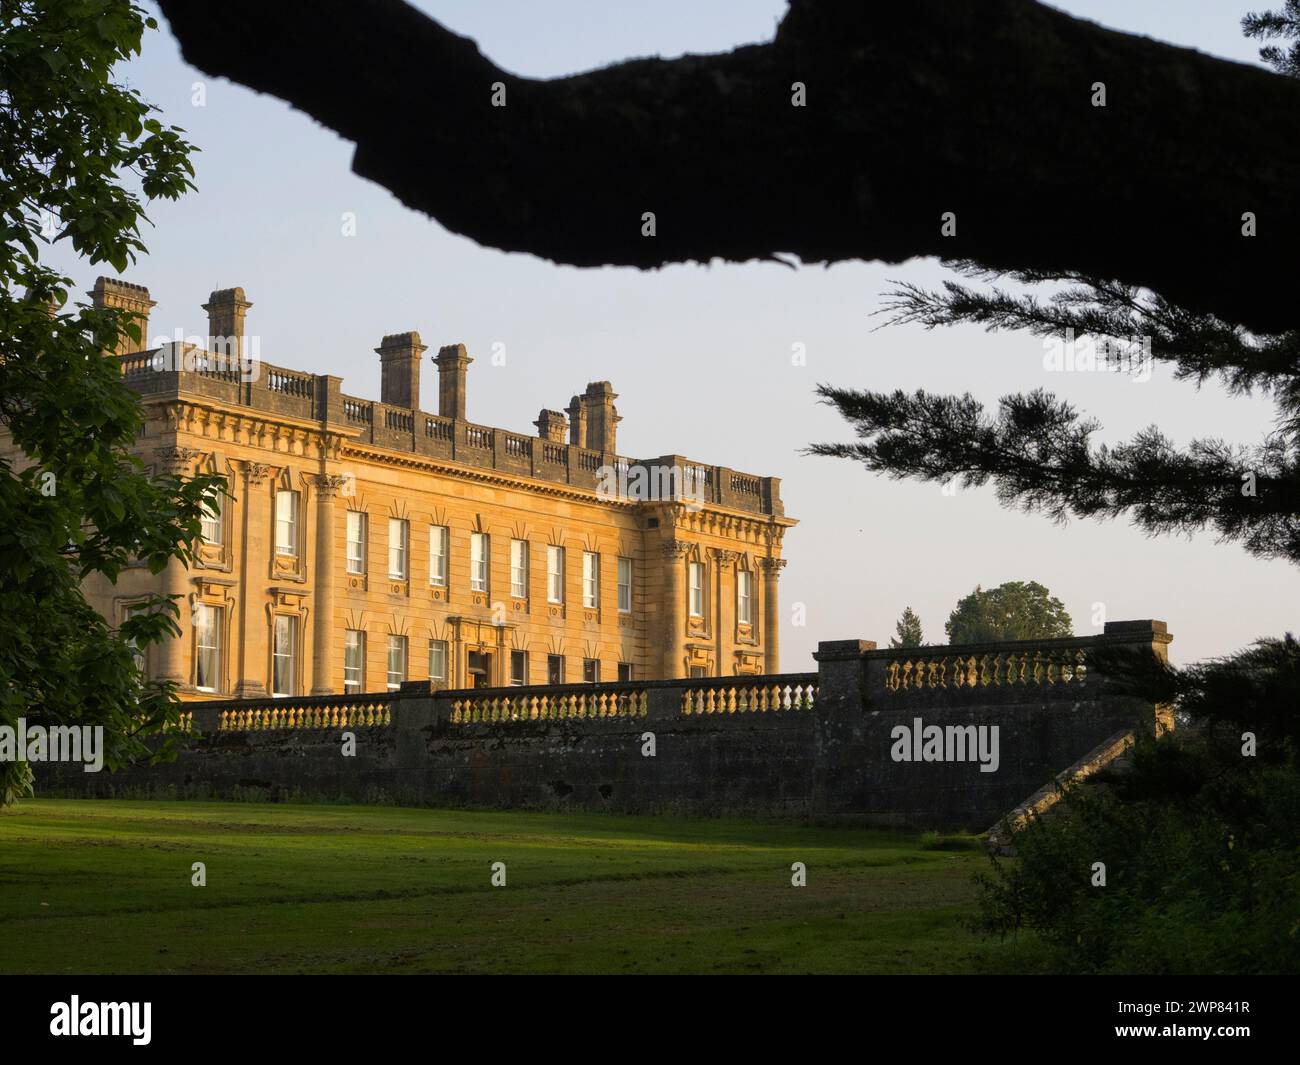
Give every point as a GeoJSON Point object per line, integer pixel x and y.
{"type": "Point", "coordinates": [137, 653]}
{"type": "Point", "coordinates": [207, 648]}
{"type": "Point", "coordinates": [555, 669]}
{"type": "Point", "coordinates": [478, 562]}
{"type": "Point", "coordinates": [396, 662]}
{"type": "Point", "coordinates": [438, 538]}
{"type": "Point", "coordinates": [358, 534]}
{"type": "Point", "coordinates": [214, 519]}
{"type": "Point", "coordinates": [590, 671]}
{"type": "Point", "coordinates": [744, 596]}
{"type": "Point", "coordinates": [697, 589]}
{"type": "Point", "coordinates": [591, 580]}
{"type": "Point", "coordinates": [286, 522]}
{"type": "Point", "coordinates": [518, 668]}
{"type": "Point", "coordinates": [438, 660]}
{"type": "Point", "coordinates": [354, 660]}
{"type": "Point", "coordinates": [697, 671]}
{"type": "Point", "coordinates": [398, 534]}
{"type": "Point", "coordinates": [284, 655]}
{"type": "Point", "coordinates": [554, 574]}
{"type": "Point", "coordinates": [624, 585]}
{"type": "Point", "coordinates": [519, 569]}
{"type": "Point", "coordinates": [625, 671]}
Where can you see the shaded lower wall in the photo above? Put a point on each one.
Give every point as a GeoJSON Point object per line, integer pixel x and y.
{"type": "Point", "coordinates": [832, 759]}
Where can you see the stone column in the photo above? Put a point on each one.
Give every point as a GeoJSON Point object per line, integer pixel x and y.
{"type": "Point", "coordinates": [254, 562]}
{"type": "Point", "coordinates": [674, 608]}
{"type": "Point", "coordinates": [323, 642]}
{"type": "Point", "coordinates": [722, 561]}
{"type": "Point", "coordinates": [772, 568]}
{"type": "Point", "coordinates": [173, 661]}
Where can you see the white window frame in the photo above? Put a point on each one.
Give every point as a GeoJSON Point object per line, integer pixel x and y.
{"type": "Point", "coordinates": [358, 540]}
{"type": "Point", "coordinates": [554, 574]}
{"type": "Point", "coordinates": [744, 597]}
{"type": "Point", "coordinates": [519, 569]}
{"type": "Point", "coordinates": [289, 656]}
{"type": "Point", "coordinates": [591, 580]}
{"type": "Point", "coordinates": [480, 561]}
{"type": "Point", "coordinates": [207, 619]}
{"type": "Point", "coordinates": [399, 548]}
{"type": "Point", "coordinates": [213, 530]}
{"type": "Point", "coordinates": [520, 682]}
{"type": "Point", "coordinates": [395, 643]}
{"type": "Point", "coordinates": [624, 585]}
{"type": "Point", "coordinates": [354, 644]}
{"type": "Point", "coordinates": [439, 646]}
{"type": "Point", "coordinates": [698, 580]}
{"type": "Point", "coordinates": [439, 540]}
{"type": "Point", "coordinates": [286, 522]}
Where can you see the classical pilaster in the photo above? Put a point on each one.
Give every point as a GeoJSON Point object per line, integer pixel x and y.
{"type": "Point", "coordinates": [254, 558]}
{"type": "Point", "coordinates": [173, 662]}
{"type": "Point", "coordinates": [723, 606]}
{"type": "Point", "coordinates": [674, 609]}
{"type": "Point", "coordinates": [323, 641]}
{"type": "Point", "coordinates": [772, 568]}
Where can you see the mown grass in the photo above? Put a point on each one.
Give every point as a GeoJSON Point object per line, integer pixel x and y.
{"type": "Point", "coordinates": [105, 887]}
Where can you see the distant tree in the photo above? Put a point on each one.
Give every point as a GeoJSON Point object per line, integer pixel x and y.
{"type": "Point", "coordinates": [907, 632]}
{"type": "Point", "coordinates": [79, 154]}
{"type": "Point", "coordinates": [1263, 25]}
{"type": "Point", "coordinates": [1017, 610]}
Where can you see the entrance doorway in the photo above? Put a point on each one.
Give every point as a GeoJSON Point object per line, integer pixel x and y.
{"type": "Point", "coordinates": [480, 669]}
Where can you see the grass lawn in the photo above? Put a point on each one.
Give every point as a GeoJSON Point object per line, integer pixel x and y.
{"type": "Point", "coordinates": [104, 887]}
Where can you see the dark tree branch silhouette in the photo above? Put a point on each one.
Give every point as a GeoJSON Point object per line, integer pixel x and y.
{"type": "Point", "coordinates": [912, 110]}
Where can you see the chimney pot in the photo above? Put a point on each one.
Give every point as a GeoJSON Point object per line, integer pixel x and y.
{"type": "Point", "coordinates": [552, 425]}
{"type": "Point", "coordinates": [453, 363]}
{"type": "Point", "coordinates": [226, 309]}
{"type": "Point", "coordinates": [577, 422]}
{"type": "Point", "coordinates": [602, 417]}
{"type": "Point", "coordinates": [134, 299]}
{"type": "Point", "coordinates": [399, 361]}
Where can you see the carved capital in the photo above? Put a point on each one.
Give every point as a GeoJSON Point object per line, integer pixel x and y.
{"type": "Point", "coordinates": [257, 472]}
{"type": "Point", "coordinates": [772, 566]}
{"type": "Point", "coordinates": [176, 459]}
{"type": "Point", "coordinates": [675, 549]}
{"type": "Point", "coordinates": [328, 486]}
{"type": "Point", "coordinates": [724, 556]}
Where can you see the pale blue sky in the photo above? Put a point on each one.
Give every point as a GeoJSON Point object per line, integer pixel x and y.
{"type": "Point", "coordinates": [700, 355]}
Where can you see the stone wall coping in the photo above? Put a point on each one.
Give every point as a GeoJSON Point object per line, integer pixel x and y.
{"type": "Point", "coordinates": [421, 689]}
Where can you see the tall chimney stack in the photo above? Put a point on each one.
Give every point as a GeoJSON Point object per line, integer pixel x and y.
{"type": "Point", "coordinates": [453, 362]}
{"type": "Point", "coordinates": [552, 425]}
{"type": "Point", "coordinates": [399, 361]}
{"type": "Point", "coordinates": [109, 292]}
{"type": "Point", "coordinates": [577, 422]}
{"type": "Point", "coordinates": [602, 418]}
{"type": "Point", "coordinates": [226, 310]}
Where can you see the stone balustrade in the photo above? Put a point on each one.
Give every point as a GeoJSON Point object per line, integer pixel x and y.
{"type": "Point", "coordinates": [278, 391]}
